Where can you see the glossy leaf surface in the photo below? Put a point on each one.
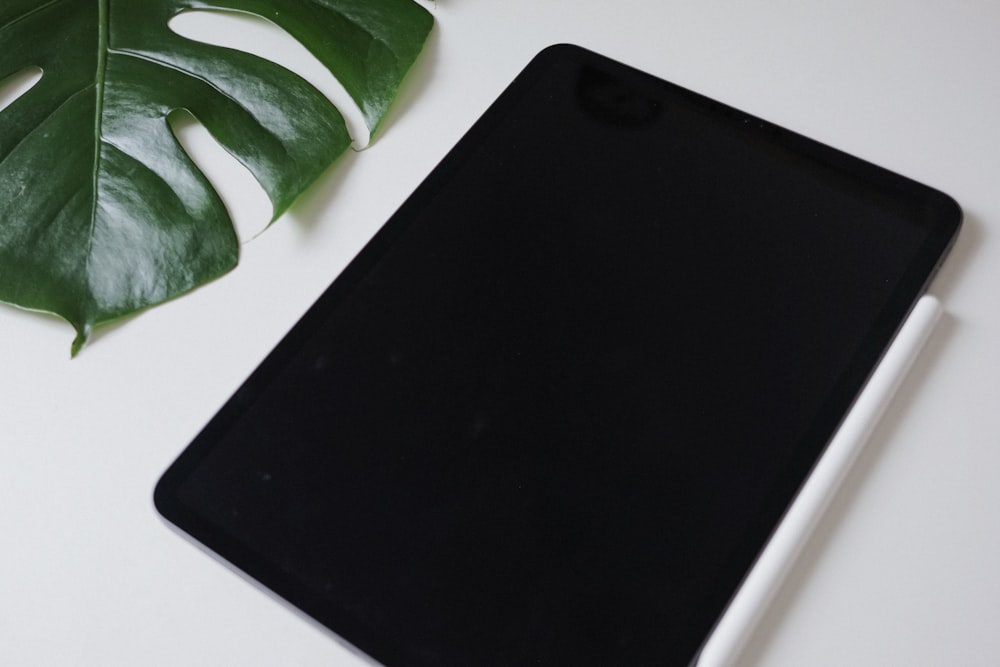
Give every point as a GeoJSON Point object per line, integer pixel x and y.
{"type": "Point", "coordinates": [102, 213]}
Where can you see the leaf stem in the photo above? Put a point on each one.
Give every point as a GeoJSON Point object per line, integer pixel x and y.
{"type": "Point", "coordinates": [99, 78]}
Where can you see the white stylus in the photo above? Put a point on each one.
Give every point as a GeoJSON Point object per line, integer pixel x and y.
{"type": "Point", "coordinates": [758, 589]}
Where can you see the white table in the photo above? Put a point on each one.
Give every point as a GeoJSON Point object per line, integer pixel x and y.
{"type": "Point", "coordinates": [905, 568]}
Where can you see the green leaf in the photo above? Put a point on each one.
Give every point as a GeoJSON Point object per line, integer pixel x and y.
{"type": "Point", "coordinates": [102, 213]}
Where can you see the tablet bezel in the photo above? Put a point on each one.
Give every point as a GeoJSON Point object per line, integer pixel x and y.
{"type": "Point", "coordinates": [943, 218]}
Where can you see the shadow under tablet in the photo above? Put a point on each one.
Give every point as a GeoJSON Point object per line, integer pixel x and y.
{"type": "Point", "coordinates": [553, 411]}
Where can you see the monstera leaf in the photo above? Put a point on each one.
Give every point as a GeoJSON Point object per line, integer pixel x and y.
{"type": "Point", "coordinates": [101, 211]}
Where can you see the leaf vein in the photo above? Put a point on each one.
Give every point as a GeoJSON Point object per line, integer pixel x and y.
{"type": "Point", "coordinates": [42, 121]}
{"type": "Point", "coordinates": [99, 79]}
{"type": "Point", "coordinates": [26, 15]}
{"type": "Point", "coordinates": [208, 82]}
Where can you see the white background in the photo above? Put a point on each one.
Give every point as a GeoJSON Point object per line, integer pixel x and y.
{"type": "Point", "coordinates": [905, 568]}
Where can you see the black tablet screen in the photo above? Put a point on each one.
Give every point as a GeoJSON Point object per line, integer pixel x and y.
{"type": "Point", "coordinates": [550, 415]}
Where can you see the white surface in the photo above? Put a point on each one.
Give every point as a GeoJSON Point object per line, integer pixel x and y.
{"type": "Point", "coordinates": [904, 569]}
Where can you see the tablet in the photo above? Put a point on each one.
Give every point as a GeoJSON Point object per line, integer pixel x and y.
{"type": "Point", "coordinates": [552, 413]}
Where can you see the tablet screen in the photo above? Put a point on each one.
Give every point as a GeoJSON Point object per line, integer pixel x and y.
{"type": "Point", "coordinates": [552, 412]}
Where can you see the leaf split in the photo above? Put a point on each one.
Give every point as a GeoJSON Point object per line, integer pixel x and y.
{"type": "Point", "coordinates": [102, 213]}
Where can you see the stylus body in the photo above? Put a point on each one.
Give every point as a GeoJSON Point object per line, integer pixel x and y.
{"type": "Point", "coordinates": [759, 588]}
